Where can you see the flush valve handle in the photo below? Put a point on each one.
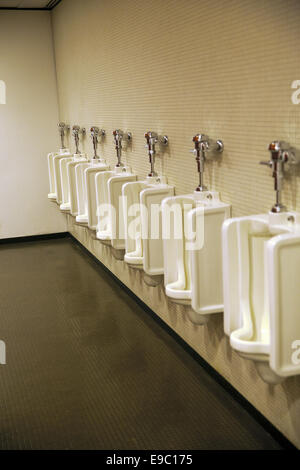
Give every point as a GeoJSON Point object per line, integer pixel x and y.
{"type": "Point", "coordinates": [163, 140]}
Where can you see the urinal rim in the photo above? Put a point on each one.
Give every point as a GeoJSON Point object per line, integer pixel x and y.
{"type": "Point", "coordinates": [248, 346]}
{"type": "Point", "coordinates": [178, 294]}
{"type": "Point", "coordinates": [102, 232]}
{"type": "Point", "coordinates": [82, 219]}
{"type": "Point", "coordinates": [136, 261]}
{"type": "Point", "coordinates": [65, 207]}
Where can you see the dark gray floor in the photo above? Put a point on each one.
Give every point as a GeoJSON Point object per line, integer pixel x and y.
{"type": "Point", "coordinates": [87, 368]}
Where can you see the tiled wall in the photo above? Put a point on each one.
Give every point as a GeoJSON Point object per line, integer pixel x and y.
{"type": "Point", "coordinates": [178, 67]}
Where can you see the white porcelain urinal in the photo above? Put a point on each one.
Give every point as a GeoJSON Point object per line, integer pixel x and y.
{"type": "Point", "coordinates": [52, 166]}
{"type": "Point", "coordinates": [53, 162]}
{"type": "Point", "coordinates": [192, 228]}
{"type": "Point", "coordinates": [68, 175]}
{"type": "Point", "coordinates": [142, 217]}
{"type": "Point", "coordinates": [85, 174]}
{"type": "Point", "coordinates": [68, 182]}
{"type": "Point", "coordinates": [261, 272]}
{"type": "Point", "coordinates": [110, 217]}
{"type": "Point", "coordinates": [109, 214]}
{"type": "Point", "coordinates": [143, 225]}
{"type": "Point", "coordinates": [86, 185]}
{"type": "Point", "coordinates": [64, 196]}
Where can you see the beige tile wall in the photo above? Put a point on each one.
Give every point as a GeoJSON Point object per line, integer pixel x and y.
{"type": "Point", "coordinates": [222, 67]}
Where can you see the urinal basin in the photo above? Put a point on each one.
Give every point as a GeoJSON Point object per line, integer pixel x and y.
{"type": "Point", "coordinates": [57, 175]}
{"type": "Point", "coordinates": [143, 223]}
{"type": "Point", "coordinates": [132, 223]}
{"type": "Point", "coordinates": [177, 271]}
{"type": "Point", "coordinates": [51, 194]}
{"type": "Point", "coordinates": [192, 250]}
{"type": "Point", "coordinates": [72, 204]}
{"type": "Point", "coordinates": [104, 231]}
{"type": "Point", "coordinates": [65, 195]}
{"type": "Point", "coordinates": [261, 266]}
{"type": "Point", "coordinates": [110, 217]}
{"type": "Point", "coordinates": [86, 188]}
{"type": "Point", "coordinates": [50, 160]}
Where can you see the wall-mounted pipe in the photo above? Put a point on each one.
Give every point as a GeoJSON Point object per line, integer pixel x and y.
{"type": "Point", "coordinates": [76, 130]}
{"type": "Point", "coordinates": [118, 137]}
{"type": "Point", "coordinates": [95, 132]}
{"type": "Point", "coordinates": [204, 146]}
{"type": "Point", "coordinates": [281, 154]}
{"type": "Point", "coordinates": [152, 138]}
{"type": "Point", "coordinates": [62, 127]}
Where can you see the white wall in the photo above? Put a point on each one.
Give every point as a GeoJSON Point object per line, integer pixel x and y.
{"type": "Point", "coordinates": [28, 124]}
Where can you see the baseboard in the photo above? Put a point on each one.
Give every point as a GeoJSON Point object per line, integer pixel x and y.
{"type": "Point", "coordinates": [32, 238]}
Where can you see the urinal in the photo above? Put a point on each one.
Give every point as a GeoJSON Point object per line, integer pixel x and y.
{"type": "Point", "coordinates": [261, 271]}
{"type": "Point", "coordinates": [60, 166]}
{"type": "Point", "coordinates": [109, 212]}
{"type": "Point", "coordinates": [192, 228]}
{"type": "Point", "coordinates": [85, 174]}
{"type": "Point", "coordinates": [62, 153]}
{"type": "Point", "coordinates": [91, 201]}
{"type": "Point", "coordinates": [142, 218]}
{"type": "Point", "coordinates": [67, 175]}
{"type": "Point", "coordinates": [57, 160]}
{"type": "Point", "coordinates": [68, 182]}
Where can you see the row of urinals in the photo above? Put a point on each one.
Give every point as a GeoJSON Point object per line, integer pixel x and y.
{"type": "Point", "coordinates": [246, 267]}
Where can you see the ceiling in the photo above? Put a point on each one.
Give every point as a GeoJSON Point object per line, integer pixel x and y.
{"type": "Point", "coordinates": [29, 4]}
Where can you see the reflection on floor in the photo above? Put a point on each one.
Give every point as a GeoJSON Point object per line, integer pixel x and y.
{"type": "Point", "coordinates": [88, 368]}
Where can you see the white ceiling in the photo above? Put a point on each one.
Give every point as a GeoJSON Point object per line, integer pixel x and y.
{"type": "Point", "coordinates": [24, 3]}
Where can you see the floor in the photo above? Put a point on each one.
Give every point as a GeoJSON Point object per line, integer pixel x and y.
{"type": "Point", "coordinates": [88, 368]}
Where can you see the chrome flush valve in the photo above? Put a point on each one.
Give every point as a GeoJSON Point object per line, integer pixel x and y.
{"type": "Point", "coordinates": [118, 137]}
{"type": "Point", "coordinates": [152, 138]}
{"type": "Point", "coordinates": [62, 127]}
{"type": "Point", "coordinates": [204, 147]}
{"type": "Point", "coordinates": [281, 154]}
{"type": "Point", "coordinates": [76, 130]}
{"type": "Point", "coordinates": [95, 131]}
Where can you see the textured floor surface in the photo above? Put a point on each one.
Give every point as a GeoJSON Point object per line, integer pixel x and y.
{"type": "Point", "coordinates": [87, 368]}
